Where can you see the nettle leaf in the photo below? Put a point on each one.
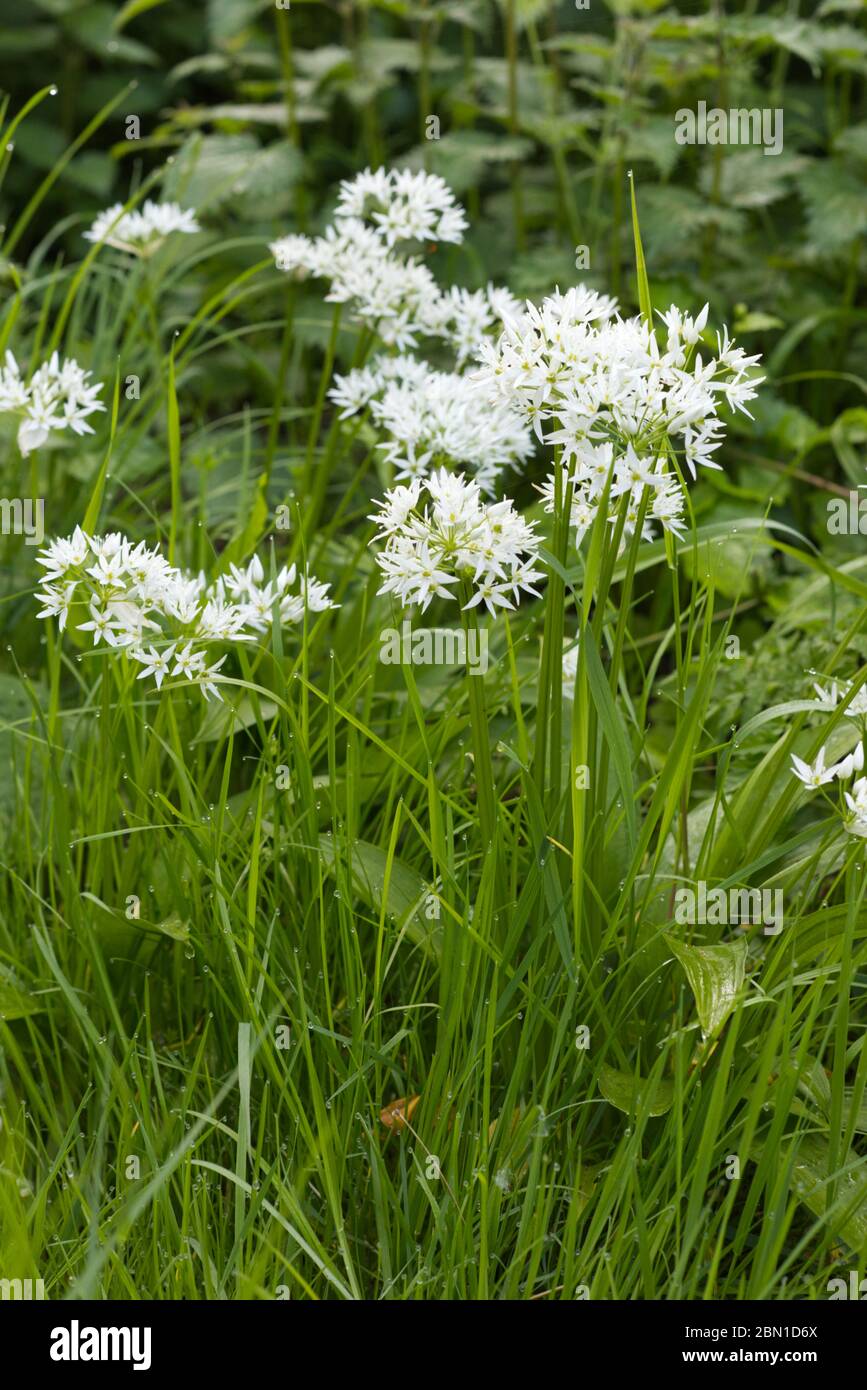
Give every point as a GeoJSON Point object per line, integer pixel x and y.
{"type": "Point", "coordinates": [216, 169]}
{"type": "Point", "coordinates": [226, 18]}
{"type": "Point", "coordinates": [462, 156]}
{"type": "Point", "coordinates": [853, 141]}
{"type": "Point", "coordinates": [634, 1095]}
{"type": "Point", "coordinates": [836, 204]}
{"type": "Point", "coordinates": [716, 977]}
{"type": "Point", "coordinates": [775, 420]}
{"type": "Point", "coordinates": [840, 7]}
{"type": "Point", "coordinates": [205, 168]}
{"type": "Point", "coordinates": [319, 63]}
{"type": "Point", "coordinates": [378, 56]}
{"type": "Point", "coordinates": [844, 41]}
{"type": "Point", "coordinates": [536, 272]}
{"type": "Point", "coordinates": [652, 141]}
{"type": "Point", "coordinates": [525, 11]}
{"type": "Point", "coordinates": [634, 7]}
{"type": "Point", "coordinates": [798, 36]}
{"type": "Point", "coordinates": [750, 180]}
{"type": "Point", "coordinates": [673, 219]}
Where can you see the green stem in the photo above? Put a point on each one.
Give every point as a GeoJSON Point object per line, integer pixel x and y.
{"type": "Point", "coordinates": [514, 166]}
{"type": "Point", "coordinates": [485, 794]}
{"type": "Point", "coordinates": [324, 378]}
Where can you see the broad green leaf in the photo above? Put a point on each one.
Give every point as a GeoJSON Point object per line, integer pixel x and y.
{"type": "Point", "coordinates": [15, 1001]}
{"type": "Point", "coordinates": [716, 977]}
{"type": "Point", "coordinates": [222, 716]}
{"type": "Point", "coordinates": [810, 1182]}
{"type": "Point", "coordinates": [631, 1095]}
{"type": "Point", "coordinates": [836, 204]}
{"type": "Point", "coordinates": [407, 890]}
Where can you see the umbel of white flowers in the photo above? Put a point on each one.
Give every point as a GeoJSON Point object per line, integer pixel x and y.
{"type": "Point", "coordinates": [58, 396]}
{"type": "Point", "coordinates": [142, 231]}
{"type": "Point", "coordinates": [433, 419]}
{"type": "Point", "coordinates": [164, 619]}
{"type": "Point", "coordinates": [395, 295]}
{"type": "Point", "coordinates": [820, 773]}
{"type": "Point", "coordinates": [615, 402]}
{"type": "Point", "coordinates": [454, 537]}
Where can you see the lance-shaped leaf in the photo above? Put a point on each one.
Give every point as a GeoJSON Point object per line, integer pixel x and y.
{"type": "Point", "coordinates": [716, 977]}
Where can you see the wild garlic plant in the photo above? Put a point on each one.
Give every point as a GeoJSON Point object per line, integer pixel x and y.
{"type": "Point", "coordinates": [59, 396]}
{"type": "Point", "coordinates": [441, 540]}
{"type": "Point", "coordinates": [138, 605]}
{"type": "Point", "coordinates": [428, 406]}
{"type": "Point", "coordinates": [626, 418]}
{"type": "Point", "coordinates": [141, 232]}
{"type": "Point", "coordinates": [433, 419]}
{"type": "Point", "coordinates": [820, 774]}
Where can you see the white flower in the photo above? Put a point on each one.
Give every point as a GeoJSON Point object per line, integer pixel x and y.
{"type": "Point", "coordinates": [132, 590]}
{"type": "Point", "coordinates": [155, 663]}
{"type": "Point", "coordinates": [829, 699]}
{"type": "Point", "coordinates": [570, 670]}
{"type": "Point", "coordinates": [815, 774]}
{"type": "Point", "coordinates": [141, 232]}
{"type": "Point", "coordinates": [403, 205]}
{"type": "Point", "coordinates": [856, 800]}
{"type": "Point", "coordinates": [854, 762]}
{"type": "Point", "coordinates": [602, 378]}
{"type": "Point", "coordinates": [434, 418]}
{"type": "Point", "coordinates": [58, 396]}
{"type": "Point", "coordinates": [102, 625]}
{"type": "Point", "coordinates": [56, 602]}
{"type": "Point", "coordinates": [455, 538]}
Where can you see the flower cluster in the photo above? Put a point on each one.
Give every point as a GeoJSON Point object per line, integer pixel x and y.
{"type": "Point", "coordinates": [630, 475]}
{"type": "Point", "coordinates": [829, 699]}
{"type": "Point", "coordinates": [817, 774]}
{"type": "Point", "coordinates": [143, 231]}
{"type": "Point", "coordinates": [57, 397]}
{"type": "Point", "coordinates": [396, 295]}
{"type": "Point", "coordinates": [454, 539]}
{"type": "Point", "coordinates": [433, 419]}
{"type": "Point", "coordinates": [402, 205]}
{"type": "Point", "coordinates": [164, 619]}
{"type": "Point", "coordinates": [614, 401]}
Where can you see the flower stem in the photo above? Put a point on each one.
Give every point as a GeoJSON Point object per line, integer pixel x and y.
{"type": "Point", "coordinates": [324, 378]}
{"type": "Point", "coordinates": [485, 794]}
